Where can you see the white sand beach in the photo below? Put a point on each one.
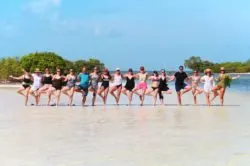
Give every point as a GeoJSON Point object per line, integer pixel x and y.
{"type": "Point", "coordinates": [125, 135]}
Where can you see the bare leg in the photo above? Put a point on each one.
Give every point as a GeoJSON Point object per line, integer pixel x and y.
{"type": "Point", "coordinates": [57, 94]}
{"type": "Point", "coordinates": [130, 96]}
{"type": "Point", "coordinates": [187, 89]}
{"type": "Point", "coordinates": [215, 91]}
{"type": "Point", "coordinates": [27, 96]}
{"type": "Point", "coordinates": [106, 92]}
{"type": "Point", "coordinates": [143, 96]}
{"type": "Point", "coordinates": [179, 98]}
{"type": "Point", "coordinates": [222, 93]}
{"type": "Point", "coordinates": [65, 90]}
{"type": "Point", "coordinates": [71, 95]}
{"type": "Point", "coordinates": [20, 91]}
{"type": "Point", "coordinates": [124, 91]}
{"type": "Point", "coordinates": [194, 95]}
{"type": "Point", "coordinates": [112, 92]}
{"type": "Point", "coordinates": [155, 96]}
{"type": "Point", "coordinates": [100, 91]}
{"type": "Point", "coordinates": [118, 95]}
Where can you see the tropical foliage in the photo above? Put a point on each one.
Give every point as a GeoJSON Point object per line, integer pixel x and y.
{"type": "Point", "coordinates": [14, 65]}
{"type": "Point", "coordinates": [196, 63]}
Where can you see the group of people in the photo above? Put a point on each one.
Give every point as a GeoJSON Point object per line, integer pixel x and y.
{"type": "Point", "coordinates": [37, 84]}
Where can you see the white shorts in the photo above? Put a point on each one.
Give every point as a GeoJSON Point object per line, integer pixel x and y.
{"type": "Point", "coordinates": [34, 88]}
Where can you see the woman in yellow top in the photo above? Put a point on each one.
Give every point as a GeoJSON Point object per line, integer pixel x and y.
{"type": "Point", "coordinates": [223, 81]}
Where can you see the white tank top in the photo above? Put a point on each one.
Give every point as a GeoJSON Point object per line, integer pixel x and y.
{"type": "Point", "coordinates": [37, 80]}
{"type": "Point", "coordinates": [117, 80]}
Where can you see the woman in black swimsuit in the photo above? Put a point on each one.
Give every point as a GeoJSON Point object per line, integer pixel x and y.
{"type": "Point", "coordinates": [46, 81]}
{"type": "Point", "coordinates": [163, 86]}
{"type": "Point", "coordinates": [105, 77]}
{"type": "Point", "coordinates": [26, 84]}
{"type": "Point", "coordinates": [153, 91]}
{"type": "Point", "coordinates": [57, 83]}
{"type": "Point", "coordinates": [130, 85]}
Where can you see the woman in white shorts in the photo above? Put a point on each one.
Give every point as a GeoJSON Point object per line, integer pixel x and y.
{"type": "Point", "coordinates": [208, 81]}
{"type": "Point", "coordinates": [37, 84]}
{"type": "Point", "coordinates": [117, 85]}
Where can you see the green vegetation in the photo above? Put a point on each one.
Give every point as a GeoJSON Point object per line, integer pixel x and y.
{"type": "Point", "coordinates": [14, 65]}
{"type": "Point", "coordinates": [196, 63]}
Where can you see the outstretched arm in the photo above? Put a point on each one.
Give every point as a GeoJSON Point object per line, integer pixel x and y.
{"type": "Point", "coordinates": [236, 77]}
{"type": "Point", "coordinates": [171, 78]}
{"type": "Point", "coordinates": [17, 78]}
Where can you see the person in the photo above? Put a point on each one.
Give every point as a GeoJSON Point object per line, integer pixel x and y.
{"type": "Point", "coordinates": [223, 81]}
{"type": "Point", "coordinates": [37, 84]}
{"type": "Point", "coordinates": [154, 86]}
{"type": "Point", "coordinates": [83, 87]}
{"type": "Point", "coordinates": [69, 89]}
{"type": "Point", "coordinates": [26, 84]}
{"type": "Point", "coordinates": [180, 84]}
{"type": "Point", "coordinates": [142, 76]}
{"type": "Point", "coordinates": [94, 80]}
{"type": "Point", "coordinates": [163, 86]}
{"type": "Point", "coordinates": [57, 83]}
{"type": "Point", "coordinates": [117, 85]}
{"type": "Point", "coordinates": [105, 77]}
{"type": "Point", "coordinates": [130, 85]}
{"type": "Point", "coordinates": [208, 81]}
{"type": "Point", "coordinates": [46, 81]}
{"type": "Point", "coordinates": [196, 90]}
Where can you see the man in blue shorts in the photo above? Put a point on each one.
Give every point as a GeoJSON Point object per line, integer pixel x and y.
{"type": "Point", "coordinates": [83, 87]}
{"type": "Point", "coordinates": [180, 86]}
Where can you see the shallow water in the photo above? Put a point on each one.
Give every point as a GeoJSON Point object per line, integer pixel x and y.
{"type": "Point", "coordinates": [123, 135]}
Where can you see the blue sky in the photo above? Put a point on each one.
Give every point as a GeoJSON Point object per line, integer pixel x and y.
{"type": "Point", "coordinates": [128, 33]}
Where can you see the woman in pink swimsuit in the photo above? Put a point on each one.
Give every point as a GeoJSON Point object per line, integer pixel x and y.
{"type": "Point", "coordinates": [142, 76]}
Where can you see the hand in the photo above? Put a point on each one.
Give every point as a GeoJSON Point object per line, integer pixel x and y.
{"type": "Point", "coordinates": [11, 76]}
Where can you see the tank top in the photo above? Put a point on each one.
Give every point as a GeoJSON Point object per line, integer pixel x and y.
{"type": "Point", "coordinates": [37, 80]}
{"type": "Point", "coordinates": [57, 83]}
{"type": "Point", "coordinates": [47, 79]}
{"type": "Point", "coordinates": [130, 83]}
{"type": "Point", "coordinates": [71, 81]}
{"type": "Point", "coordinates": [94, 78]}
{"type": "Point", "coordinates": [142, 77]}
{"type": "Point", "coordinates": [117, 79]}
{"type": "Point", "coordinates": [26, 80]}
{"type": "Point", "coordinates": [163, 83]}
{"type": "Point", "coordinates": [84, 78]}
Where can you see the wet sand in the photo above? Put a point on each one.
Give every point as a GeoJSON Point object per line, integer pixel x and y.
{"type": "Point", "coordinates": [125, 135]}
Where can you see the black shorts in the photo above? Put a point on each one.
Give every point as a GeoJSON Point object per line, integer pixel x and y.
{"type": "Point", "coordinates": [178, 88]}
{"type": "Point", "coordinates": [164, 88]}
{"type": "Point", "coordinates": [105, 85]}
{"type": "Point", "coordinates": [26, 86]}
{"type": "Point", "coordinates": [154, 88]}
{"type": "Point", "coordinates": [129, 88]}
{"type": "Point", "coordinates": [118, 86]}
{"type": "Point", "coordinates": [57, 87]}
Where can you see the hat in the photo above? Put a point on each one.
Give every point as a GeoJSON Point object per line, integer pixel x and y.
{"type": "Point", "coordinates": [207, 71]}
{"type": "Point", "coordinates": [163, 70]}
{"type": "Point", "coordinates": [130, 70]}
{"type": "Point", "coordinates": [222, 68]}
{"type": "Point", "coordinates": [142, 68]}
{"type": "Point", "coordinates": [117, 69]}
{"type": "Point", "coordinates": [37, 70]}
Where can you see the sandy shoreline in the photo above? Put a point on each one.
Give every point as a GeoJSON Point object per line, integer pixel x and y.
{"type": "Point", "coordinates": [123, 135]}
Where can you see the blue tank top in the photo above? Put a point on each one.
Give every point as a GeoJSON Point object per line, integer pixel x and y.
{"type": "Point", "coordinates": [84, 78]}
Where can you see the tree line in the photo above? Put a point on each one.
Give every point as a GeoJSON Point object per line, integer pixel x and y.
{"type": "Point", "coordinates": [14, 65]}
{"type": "Point", "coordinates": [196, 63]}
